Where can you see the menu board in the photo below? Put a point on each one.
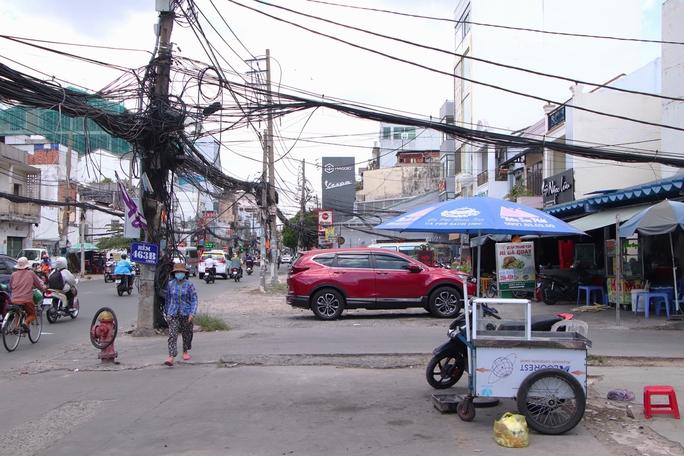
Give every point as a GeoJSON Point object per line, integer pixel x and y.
{"type": "Point", "coordinates": [515, 265]}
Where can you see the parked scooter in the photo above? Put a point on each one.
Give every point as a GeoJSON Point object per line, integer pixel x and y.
{"type": "Point", "coordinates": [450, 359]}
{"type": "Point", "coordinates": [124, 284]}
{"type": "Point", "coordinates": [56, 303]}
{"type": "Point", "coordinates": [235, 274]}
{"type": "Point", "coordinates": [210, 275]}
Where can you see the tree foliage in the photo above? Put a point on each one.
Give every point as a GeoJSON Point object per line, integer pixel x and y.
{"type": "Point", "coordinates": [309, 232]}
{"type": "Point", "coordinates": [114, 242]}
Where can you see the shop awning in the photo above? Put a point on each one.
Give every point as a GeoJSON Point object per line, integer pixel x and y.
{"type": "Point", "coordinates": [606, 217]}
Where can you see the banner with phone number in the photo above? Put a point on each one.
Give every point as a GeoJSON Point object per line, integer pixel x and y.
{"type": "Point", "coordinates": [515, 265]}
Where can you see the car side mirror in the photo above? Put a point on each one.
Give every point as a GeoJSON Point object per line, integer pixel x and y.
{"type": "Point", "coordinates": [414, 268]}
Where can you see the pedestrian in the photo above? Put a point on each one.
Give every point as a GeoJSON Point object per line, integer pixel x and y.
{"type": "Point", "coordinates": [22, 283]}
{"type": "Point", "coordinates": [181, 306]}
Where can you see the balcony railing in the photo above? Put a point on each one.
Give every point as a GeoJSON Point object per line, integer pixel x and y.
{"type": "Point", "coordinates": [19, 212]}
{"type": "Point", "coordinates": [482, 178]}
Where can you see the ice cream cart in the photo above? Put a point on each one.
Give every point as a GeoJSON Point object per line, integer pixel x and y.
{"type": "Point", "coordinates": [546, 372]}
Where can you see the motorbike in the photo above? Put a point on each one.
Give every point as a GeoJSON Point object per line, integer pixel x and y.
{"type": "Point", "coordinates": [124, 284]}
{"type": "Point", "coordinates": [250, 269]}
{"type": "Point", "coordinates": [450, 360]}
{"type": "Point", "coordinates": [210, 275]}
{"type": "Point", "coordinates": [109, 271]}
{"type": "Point", "coordinates": [235, 274]}
{"type": "Point", "coordinates": [56, 303]}
{"type": "Point", "coordinates": [553, 289]}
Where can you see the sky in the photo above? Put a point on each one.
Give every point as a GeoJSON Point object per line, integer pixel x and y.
{"type": "Point", "coordinates": [322, 66]}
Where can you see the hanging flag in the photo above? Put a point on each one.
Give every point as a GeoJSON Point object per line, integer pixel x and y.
{"type": "Point", "coordinates": [135, 220]}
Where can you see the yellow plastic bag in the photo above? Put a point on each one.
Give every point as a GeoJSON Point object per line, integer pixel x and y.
{"type": "Point", "coordinates": [510, 431]}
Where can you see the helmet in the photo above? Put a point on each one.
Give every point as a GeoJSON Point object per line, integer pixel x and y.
{"type": "Point", "coordinates": [60, 263]}
{"type": "Point", "coordinates": [124, 256]}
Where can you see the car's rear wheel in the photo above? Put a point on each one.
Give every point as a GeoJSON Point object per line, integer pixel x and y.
{"type": "Point", "coordinates": [327, 304]}
{"type": "Point", "coordinates": [445, 302]}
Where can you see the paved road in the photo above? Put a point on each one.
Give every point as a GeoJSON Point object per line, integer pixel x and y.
{"type": "Point", "coordinates": [93, 294]}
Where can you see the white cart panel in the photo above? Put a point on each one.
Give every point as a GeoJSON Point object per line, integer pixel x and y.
{"type": "Point", "coordinates": [500, 371]}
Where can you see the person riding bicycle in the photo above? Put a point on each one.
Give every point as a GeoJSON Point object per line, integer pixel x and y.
{"type": "Point", "coordinates": [62, 279]}
{"type": "Point", "coordinates": [22, 283]}
{"type": "Point", "coordinates": [124, 268]}
{"type": "Point", "coordinates": [210, 265]}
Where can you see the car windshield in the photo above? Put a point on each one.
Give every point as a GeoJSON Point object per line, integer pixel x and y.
{"type": "Point", "coordinates": [30, 254]}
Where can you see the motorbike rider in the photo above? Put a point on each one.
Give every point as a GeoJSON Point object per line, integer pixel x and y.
{"type": "Point", "coordinates": [249, 261]}
{"type": "Point", "coordinates": [45, 264]}
{"type": "Point", "coordinates": [124, 268]}
{"type": "Point", "coordinates": [210, 265]}
{"type": "Point", "coordinates": [68, 282]}
{"type": "Point", "coordinates": [235, 262]}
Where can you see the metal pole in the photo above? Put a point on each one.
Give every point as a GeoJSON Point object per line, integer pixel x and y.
{"type": "Point", "coordinates": [271, 174]}
{"type": "Point", "coordinates": [82, 241]}
{"type": "Point", "coordinates": [479, 256]}
{"type": "Point", "coordinates": [618, 270]}
{"type": "Point", "coordinates": [674, 275]}
{"type": "Point", "coordinates": [302, 208]}
{"type": "Point", "coordinates": [264, 216]}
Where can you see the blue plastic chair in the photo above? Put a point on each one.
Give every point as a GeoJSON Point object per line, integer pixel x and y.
{"type": "Point", "coordinates": [660, 297]}
{"type": "Point", "coordinates": [588, 290]}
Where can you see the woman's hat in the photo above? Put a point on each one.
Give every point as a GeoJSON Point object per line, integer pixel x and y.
{"type": "Point", "coordinates": [179, 267]}
{"type": "Point", "coordinates": [22, 263]}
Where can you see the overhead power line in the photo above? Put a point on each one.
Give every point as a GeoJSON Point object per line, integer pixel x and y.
{"type": "Point", "coordinates": [500, 26]}
{"type": "Point", "coordinates": [473, 58]}
{"type": "Point", "coordinates": [434, 70]}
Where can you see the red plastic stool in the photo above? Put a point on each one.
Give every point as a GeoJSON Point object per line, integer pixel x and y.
{"type": "Point", "coordinates": [671, 408]}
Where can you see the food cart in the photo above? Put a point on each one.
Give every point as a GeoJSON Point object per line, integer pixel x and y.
{"type": "Point", "coordinates": [546, 372]}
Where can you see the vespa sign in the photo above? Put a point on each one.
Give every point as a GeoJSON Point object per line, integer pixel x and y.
{"type": "Point", "coordinates": [338, 185]}
{"type": "Point", "coordinates": [559, 188]}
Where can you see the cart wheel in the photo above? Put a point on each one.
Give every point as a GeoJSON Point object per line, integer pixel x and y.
{"type": "Point", "coordinates": [466, 409]}
{"type": "Point", "coordinates": [552, 401]}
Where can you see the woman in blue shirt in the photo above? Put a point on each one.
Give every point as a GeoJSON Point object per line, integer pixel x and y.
{"type": "Point", "coordinates": [181, 306]}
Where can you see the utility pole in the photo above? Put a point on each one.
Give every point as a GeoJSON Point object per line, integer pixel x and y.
{"type": "Point", "coordinates": [67, 210]}
{"type": "Point", "coordinates": [271, 174]}
{"type": "Point", "coordinates": [81, 230]}
{"type": "Point", "coordinates": [264, 215]}
{"type": "Point", "coordinates": [302, 208]}
{"type": "Point", "coordinates": [156, 171]}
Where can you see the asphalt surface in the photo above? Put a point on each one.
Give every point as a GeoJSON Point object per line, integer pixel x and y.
{"type": "Point", "coordinates": [70, 335]}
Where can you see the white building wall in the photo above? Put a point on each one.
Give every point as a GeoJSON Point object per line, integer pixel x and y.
{"type": "Point", "coordinates": [487, 108]}
{"type": "Point", "coordinates": [592, 129]}
{"type": "Point", "coordinates": [424, 139]}
{"type": "Point", "coordinates": [673, 79]}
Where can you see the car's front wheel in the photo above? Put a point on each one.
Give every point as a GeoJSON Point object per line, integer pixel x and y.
{"type": "Point", "coordinates": [445, 302]}
{"type": "Point", "coordinates": [327, 304]}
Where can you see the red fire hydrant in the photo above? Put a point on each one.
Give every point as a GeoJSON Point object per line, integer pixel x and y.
{"type": "Point", "coordinates": [102, 334]}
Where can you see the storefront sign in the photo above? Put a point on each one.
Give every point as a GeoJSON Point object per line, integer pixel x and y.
{"type": "Point", "coordinates": [556, 117]}
{"type": "Point", "coordinates": [559, 188]}
{"type": "Point", "coordinates": [515, 265]}
{"type": "Point", "coordinates": [325, 218]}
{"type": "Point", "coordinates": [338, 184]}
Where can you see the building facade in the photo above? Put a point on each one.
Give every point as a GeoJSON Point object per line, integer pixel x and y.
{"type": "Point", "coordinates": [17, 219]}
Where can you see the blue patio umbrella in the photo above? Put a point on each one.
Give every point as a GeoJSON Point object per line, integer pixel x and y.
{"type": "Point", "coordinates": [662, 218]}
{"type": "Point", "coordinates": [479, 215]}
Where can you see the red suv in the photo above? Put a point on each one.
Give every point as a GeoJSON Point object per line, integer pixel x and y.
{"type": "Point", "coordinates": [329, 281]}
